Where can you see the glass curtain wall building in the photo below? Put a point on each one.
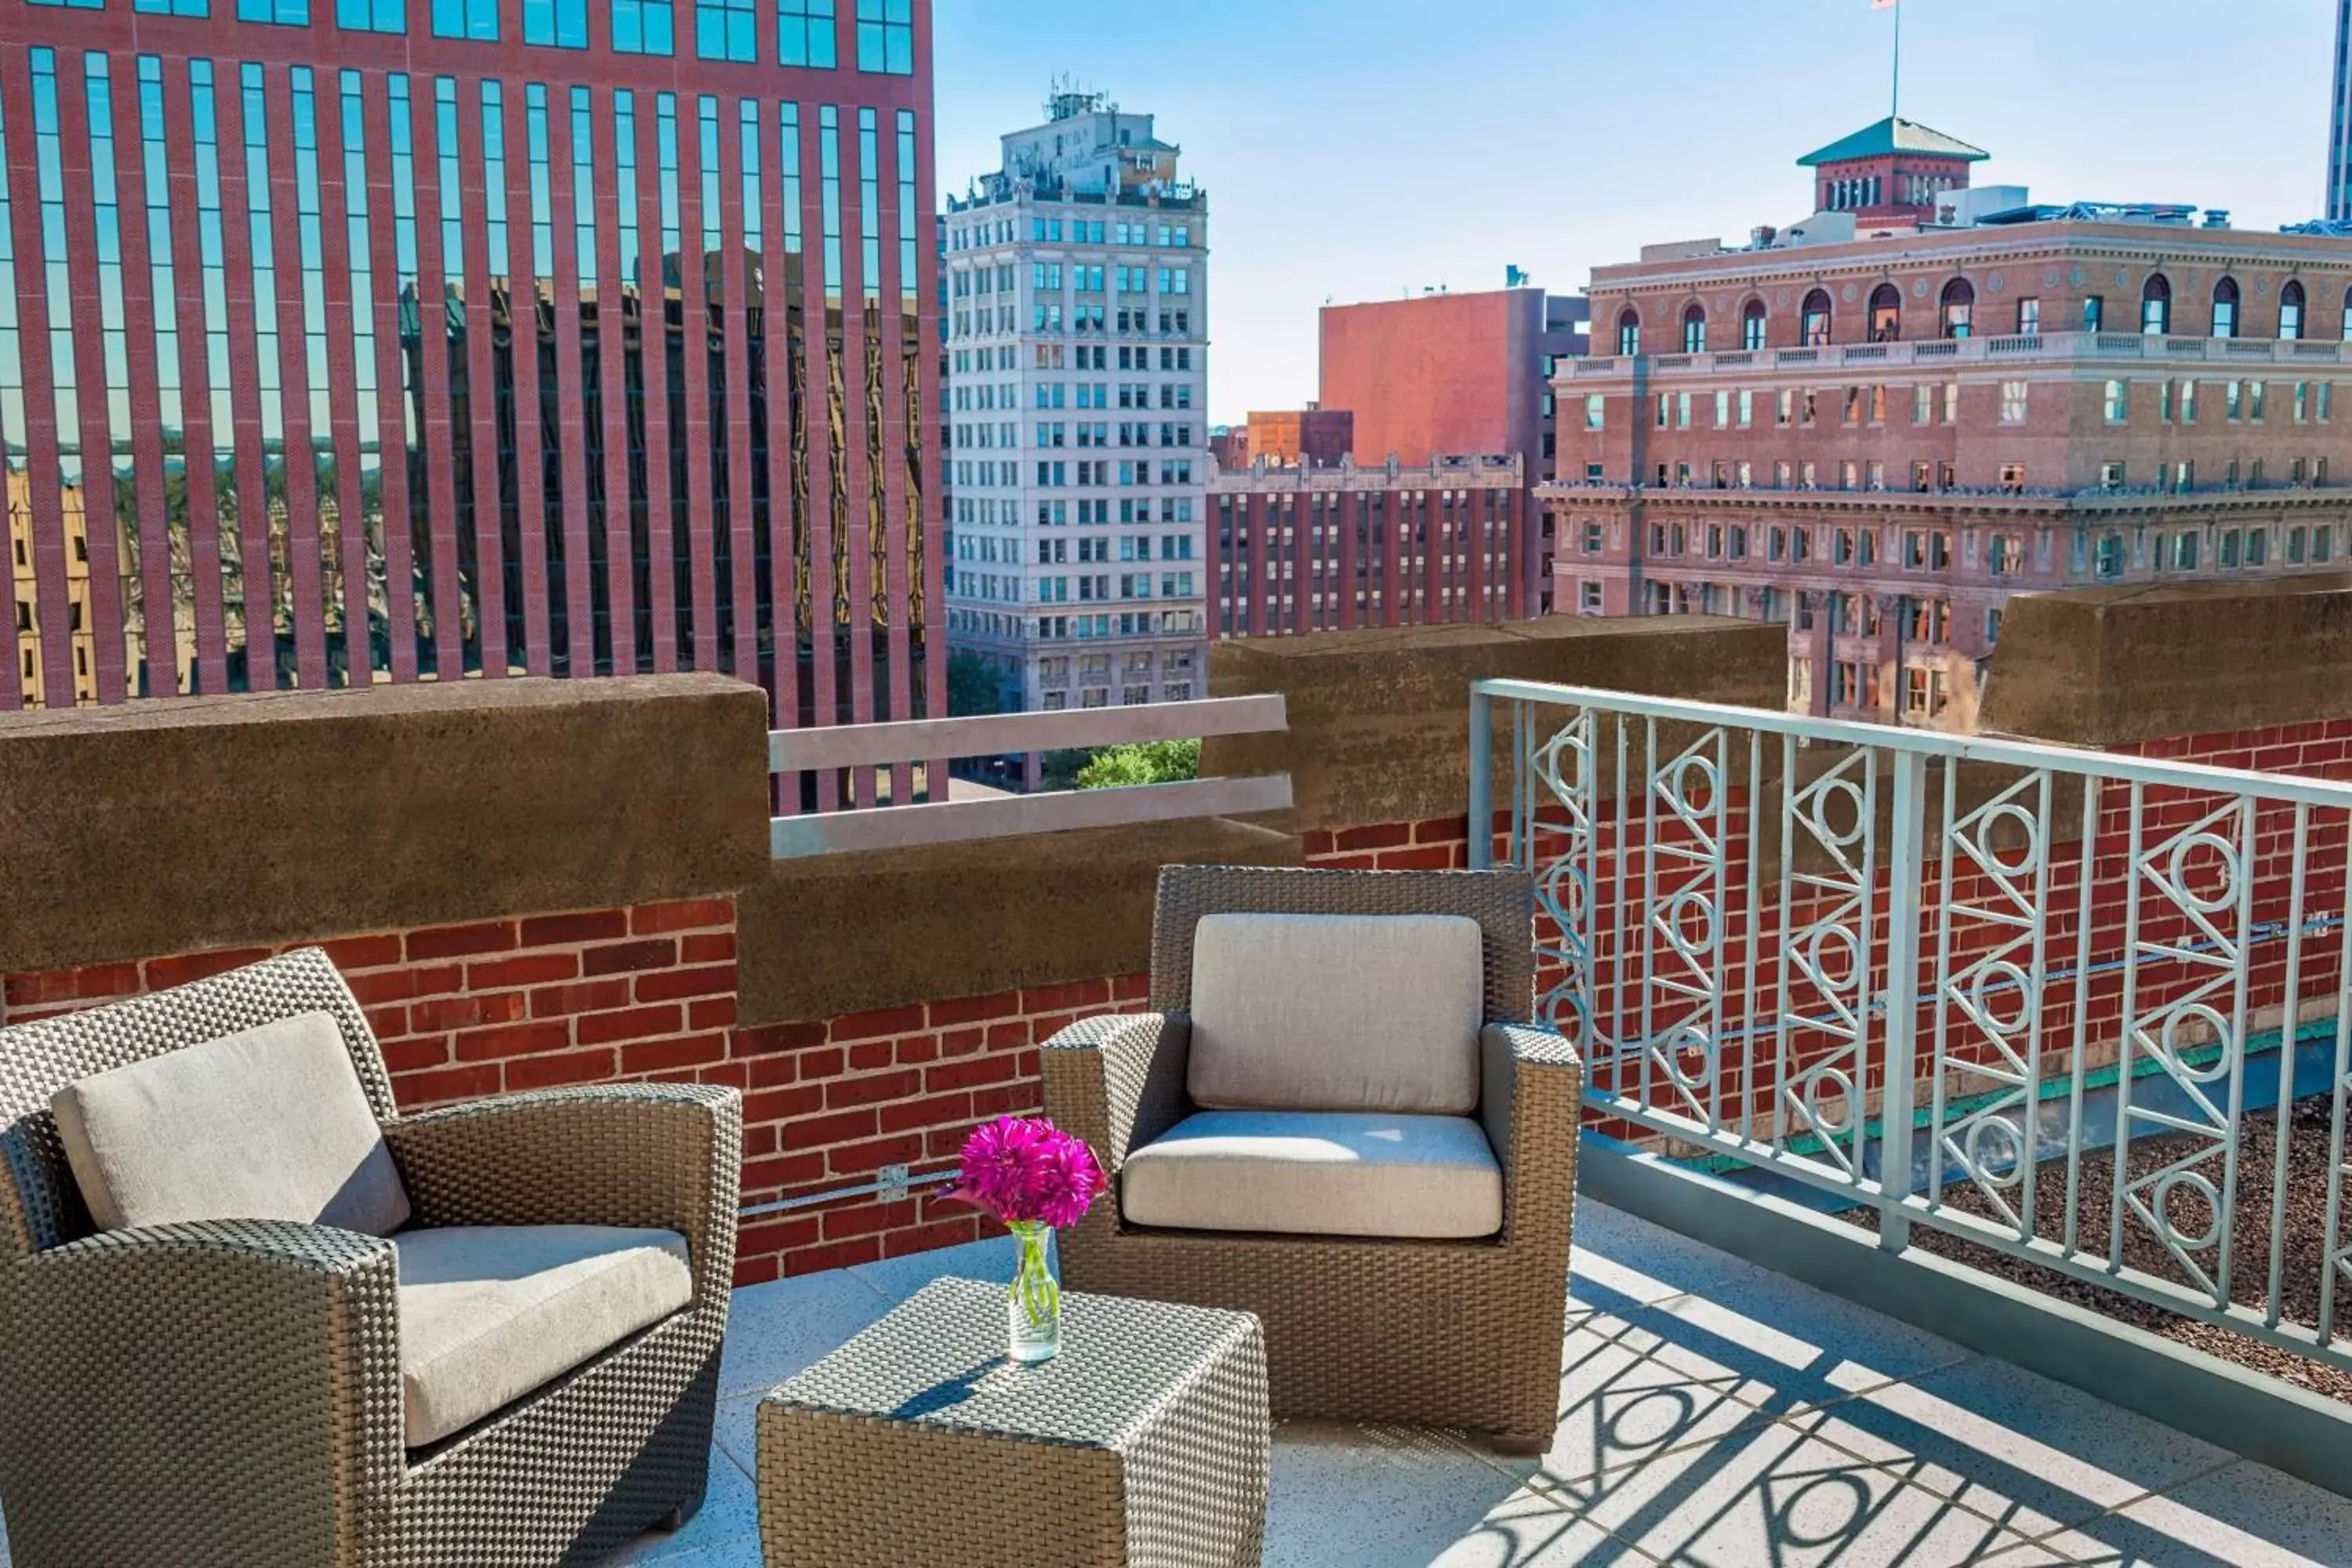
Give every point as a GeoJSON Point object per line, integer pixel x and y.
{"type": "Point", "coordinates": [357, 341]}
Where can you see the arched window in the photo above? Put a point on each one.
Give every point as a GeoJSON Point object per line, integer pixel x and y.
{"type": "Point", "coordinates": [1885, 314]}
{"type": "Point", "coordinates": [1814, 324]}
{"type": "Point", "coordinates": [1695, 330]}
{"type": "Point", "coordinates": [2290, 312]}
{"type": "Point", "coordinates": [1751, 325]}
{"type": "Point", "coordinates": [1629, 333]}
{"type": "Point", "coordinates": [1960, 307]}
{"type": "Point", "coordinates": [2225, 308]}
{"type": "Point", "coordinates": [2156, 305]}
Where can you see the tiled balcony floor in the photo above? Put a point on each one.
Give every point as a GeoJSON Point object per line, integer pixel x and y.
{"type": "Point", "coordinates": [1713, 1413]}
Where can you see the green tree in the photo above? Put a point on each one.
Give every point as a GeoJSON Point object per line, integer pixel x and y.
{"type": "Point", "coordinates": [1060, 770]}
{"type": "Point", "coordinates": [1148, 763]}
{"type": "Point", "coordinates": [972, 687]}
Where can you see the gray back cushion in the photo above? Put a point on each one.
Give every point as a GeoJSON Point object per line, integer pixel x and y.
{"type": "Point", "coordinates": [1364, 1013]}
{"type": "Point", "coordinates": [268, 1124]}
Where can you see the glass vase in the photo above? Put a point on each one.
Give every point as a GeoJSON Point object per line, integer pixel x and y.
{"type": "Point", "coordinates": [1033, 1305]}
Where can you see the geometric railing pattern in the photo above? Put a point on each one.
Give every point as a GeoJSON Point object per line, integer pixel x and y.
{"type": "Point", "coordinates": [2084, 1007]}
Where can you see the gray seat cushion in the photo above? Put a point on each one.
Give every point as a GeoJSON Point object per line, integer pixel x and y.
{"type": "Point", "coordinates": [1317, 1174]}
{"type": "Point", "coordinates": [268, 1124]}
{"type": "Point", "coordinates": [1337, 1013]}
{"type": "Point", "coordinates": [488, 1313]}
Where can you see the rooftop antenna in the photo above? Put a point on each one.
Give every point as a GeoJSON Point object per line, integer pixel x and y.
{"type": "Point", "coordinates": [1065, 99]}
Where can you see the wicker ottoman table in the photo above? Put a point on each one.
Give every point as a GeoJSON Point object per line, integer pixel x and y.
{"type": "Point", "coordinates": [1144, 1442]}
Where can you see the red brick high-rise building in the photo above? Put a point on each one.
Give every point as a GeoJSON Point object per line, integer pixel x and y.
{"type": "Point", "coordinates": [1441, 374]}
{"type": "Point", "coordinates": [1877, 427]}
{"type": "Point", "coordinates": [1305, 548]}
{"type": "Point", "coordinates": [1442, 390]}
{"type": "Point", "coordinates": [388, 341]}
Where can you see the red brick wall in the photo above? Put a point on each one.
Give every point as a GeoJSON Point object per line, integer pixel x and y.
{"type": "Point", "coordinates": [497, 1007]}
{"type": "Point", "coordinates": [832, 1101]}
{"type": "Point", "coordinates": [1437, 374]}
{"type": "Point", "coordinates": [1441, 843]}
{"type": "Point", "coordinates": [649, 993]}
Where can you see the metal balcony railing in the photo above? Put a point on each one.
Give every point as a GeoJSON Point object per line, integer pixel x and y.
{"type": "Point", "coordinates": [942, 821]}
{"type": "Point", "coordinates": [2084, 1008]}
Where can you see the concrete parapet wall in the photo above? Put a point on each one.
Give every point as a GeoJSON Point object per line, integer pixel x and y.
{"type": "Point", "coordinates": [1380, 719]}
{"type": "Point", "coordinates": [2110, 666]}
{"type": "Point", "coordinates": [169, 826]}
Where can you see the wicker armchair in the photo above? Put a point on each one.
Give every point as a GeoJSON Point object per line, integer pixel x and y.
{"type": "Point", "coordinates": [228, 1394]}
{"type": "Point", "coordinates": [1461, 1334]}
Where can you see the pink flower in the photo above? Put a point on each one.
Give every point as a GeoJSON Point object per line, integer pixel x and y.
{"type": "Point", "coordinates": [1027, 1171]}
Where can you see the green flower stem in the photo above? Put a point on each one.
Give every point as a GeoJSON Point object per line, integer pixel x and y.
{"type": "Point", "coordinates": [1033, 1283]}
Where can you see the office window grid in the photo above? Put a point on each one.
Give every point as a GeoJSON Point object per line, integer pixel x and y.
{"type": "Point", "coordinates": [252, 531]}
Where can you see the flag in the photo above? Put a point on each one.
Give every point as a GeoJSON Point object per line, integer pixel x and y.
{"type": "Point", "coordinates": [1884, 4]}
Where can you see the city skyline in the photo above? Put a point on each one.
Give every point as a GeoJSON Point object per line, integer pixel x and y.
{"type": "Point", "coordinates": [2066, 100]}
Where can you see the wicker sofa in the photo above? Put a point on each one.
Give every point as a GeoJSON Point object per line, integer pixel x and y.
{"type": "Point", "coordinates": [1456, 1331]}
{"type": "Point", "coordinates": [230, 1392]}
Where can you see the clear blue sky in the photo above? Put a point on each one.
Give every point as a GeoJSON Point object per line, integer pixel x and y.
{"type": "Point", "coordinates": [1359, 148]}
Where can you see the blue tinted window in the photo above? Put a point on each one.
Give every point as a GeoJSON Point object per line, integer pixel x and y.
{"type": "Point", "coordinates": [643, 26]}
{"type": "Point", "coordinates": [283, 12]}
{"type": "Point", "coordinates": [723, 30]}
{"type": "Point", "coordinates": [559, 24]}
{"type": "Point", "coordinates": [476, 19]}
{"type": "Point", "coordinates": [371, 16]}
{"type": "Point", "coordinates": [804, 33]}
{"type": "Point", "coordinates": [885, 37]}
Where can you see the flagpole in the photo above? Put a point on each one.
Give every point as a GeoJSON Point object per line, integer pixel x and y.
{"type": "Point", "coordinates": [1896, 111]}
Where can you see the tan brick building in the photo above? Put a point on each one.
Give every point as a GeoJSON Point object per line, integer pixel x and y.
{"type": "Point", "coordinates": [1876, 431]}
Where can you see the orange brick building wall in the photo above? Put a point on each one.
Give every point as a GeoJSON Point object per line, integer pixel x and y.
{"type": "Point", "coordinates": [1316, 437]}
{"type": "Point", "coordinates": [1437, 375]}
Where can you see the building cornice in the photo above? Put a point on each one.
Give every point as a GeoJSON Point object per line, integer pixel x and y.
{"type": "Point", "coordinates": [2127, 354]}
{"type": "Point", "coordinates": [1973, 252]}
{"type": "Point", "coordinates": [1480, 473]}
{"type": "Point", "coordinates": [2050, 508]}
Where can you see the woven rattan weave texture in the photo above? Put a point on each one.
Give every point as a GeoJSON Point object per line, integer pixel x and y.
{"type": "Point", "coordinates": [1144, 1442]}
{"type": "Point", "coordinates": [1461, 1334]}
{"type": "Point", "coordinates": [227, 1395]}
